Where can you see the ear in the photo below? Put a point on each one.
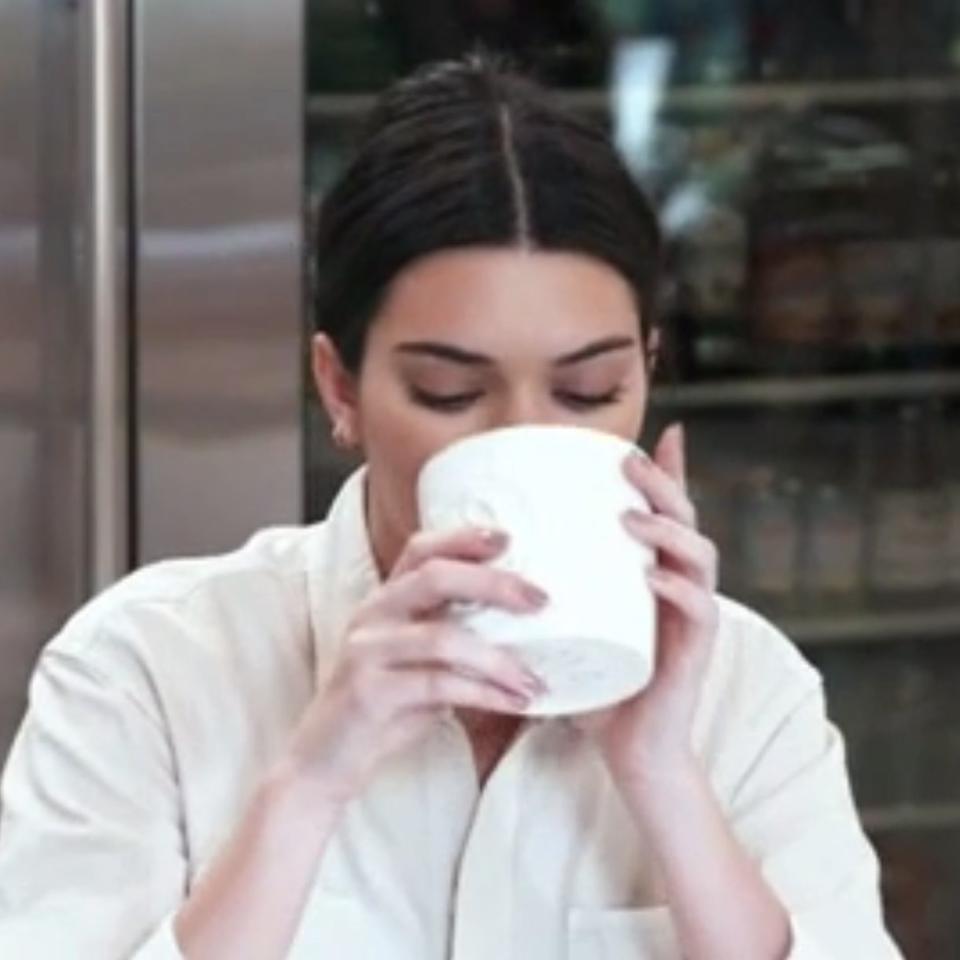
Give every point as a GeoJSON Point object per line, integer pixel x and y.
{"type": "Point", "coordinates": [652, 350]}
{"type": "Point", "coordinates": [337, 389]}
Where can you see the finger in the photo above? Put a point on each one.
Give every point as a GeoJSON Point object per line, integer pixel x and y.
{"type": "Point", "coordinates": [680, 547]}
{"type": "Point", "coordinates": [478, 544]}
{"type": "Point", "coordinates": [419, 689]}
{"type": "Point", "coordinates": [695, 604]}
{"type": "Point", "coordinates": [660, 489]}
{"type": "Point", "coordinates": [670, 454]}
{"type": "Point", "coordinates": [419, 645]}
{"type": "Point", "coordinates": [438, 582]}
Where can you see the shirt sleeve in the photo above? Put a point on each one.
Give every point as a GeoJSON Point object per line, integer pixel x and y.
{"type": "Point", "coordinates": [92, 863]}
{"type": "Point", "coordinates": [794, 812]}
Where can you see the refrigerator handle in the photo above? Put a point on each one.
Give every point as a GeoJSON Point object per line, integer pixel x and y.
{"type": "Point", "coordinates": [105, 122]}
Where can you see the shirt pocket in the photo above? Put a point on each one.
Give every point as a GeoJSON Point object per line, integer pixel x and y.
{"type": "Point", "coordinates": [599, 934]}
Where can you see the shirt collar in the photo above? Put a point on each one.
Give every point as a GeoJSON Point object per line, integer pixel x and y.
{"type": "Point", "coordinates": [341, 570]}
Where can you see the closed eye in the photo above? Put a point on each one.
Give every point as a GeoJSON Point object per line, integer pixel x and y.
{"type": "Point", "coordinates": [454, 402]}
{"type": "Point", "coordinates": [589, 400]}
{"type": "Point", "coordinates": [444, 401]}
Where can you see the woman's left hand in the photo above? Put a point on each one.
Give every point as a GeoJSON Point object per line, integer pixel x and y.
{"type": "Point", "coordinates": [648, 737]}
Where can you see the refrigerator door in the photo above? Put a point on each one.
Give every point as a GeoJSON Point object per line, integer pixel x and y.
{"type": "Point", "coordinates": [218, 267]}
{"type": "Point", "coordinates": [43, 342]}
{"type": "Point", "coordinates": [151, 335]}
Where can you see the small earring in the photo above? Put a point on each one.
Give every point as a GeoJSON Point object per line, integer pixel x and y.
{"type": "Point", "coordinates": [341, 434]}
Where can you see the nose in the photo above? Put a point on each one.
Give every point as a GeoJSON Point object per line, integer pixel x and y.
{"type": "Point", "coordinates": [526, 408]}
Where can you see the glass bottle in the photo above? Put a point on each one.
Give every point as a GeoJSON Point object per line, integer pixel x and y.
{"type": "Point", "coordinates": [770, 517]}
{"type": "Point", "coordinates": [833, 520]}
{"type": "Point", "coordinates": [949, 445]}
{"type": "Point", "coordinates": [907, 510]}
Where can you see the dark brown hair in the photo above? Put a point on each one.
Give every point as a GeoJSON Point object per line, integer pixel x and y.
{"type": "Point", "coordinates": [469, 152]}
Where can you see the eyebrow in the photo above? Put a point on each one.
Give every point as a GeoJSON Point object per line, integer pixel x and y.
{"type": "Point", "coordinates": [467, 358]}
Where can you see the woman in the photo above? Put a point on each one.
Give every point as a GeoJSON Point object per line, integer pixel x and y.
{"type": "Point", "coordinates": [291, 751]}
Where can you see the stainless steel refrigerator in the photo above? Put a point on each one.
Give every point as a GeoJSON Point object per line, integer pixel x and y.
{"type": "Point", "coordinates": [159, 167]}
{"type": "Point", "coordinates": [150, 295]}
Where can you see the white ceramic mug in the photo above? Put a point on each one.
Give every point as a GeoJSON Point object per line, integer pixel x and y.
{"type": "Point", "coordinates": [559, 492]}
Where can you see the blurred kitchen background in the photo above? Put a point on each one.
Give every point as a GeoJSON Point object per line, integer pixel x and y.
{"type": "Point", "coordinates": [159, 167]}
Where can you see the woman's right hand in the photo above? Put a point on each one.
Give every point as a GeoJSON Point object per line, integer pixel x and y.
{"type": "Point", "coordinates": [404, 661]}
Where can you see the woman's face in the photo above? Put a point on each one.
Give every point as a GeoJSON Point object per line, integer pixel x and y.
{"type": "Point", "coordinates": [477, 338]}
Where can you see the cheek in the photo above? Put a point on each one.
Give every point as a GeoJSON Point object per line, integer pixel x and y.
{"type": "Point", "coordinates": [404, 434]}
{"type": "Point", "coordinates": [626, 424]}
{"type": "Point", "coordinates": [395, 443]}
{"type": "Point", "coordinates": [635, 412]}
{"type": "Point", "coordinates": [398, 439]}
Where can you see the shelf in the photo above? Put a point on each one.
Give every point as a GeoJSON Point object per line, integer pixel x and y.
{"type": "Point", "coordinates": [799, 94]}
{"type": "Point", "coordinates": [911, 816]}
{"type": "Point", "coordinates": [758, 391]}
{"type": "Point", "coordinates": [747, 96]}
{"type": "Point", "coordinates": [338, 106]}
{"type": "Point", "coordinates": [881, 626]}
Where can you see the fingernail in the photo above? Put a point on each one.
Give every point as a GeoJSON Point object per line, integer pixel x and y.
{"type": "Point", "coordinates": [534, 595]}
{"type": "Point", "coordinates": [636, 523]}
{"type": "Point", "coordinates": [522, 700]}
{"type": "Point", "coordinates": [494, 539]}
{"type": "Point", "coordinates": [636, 463]}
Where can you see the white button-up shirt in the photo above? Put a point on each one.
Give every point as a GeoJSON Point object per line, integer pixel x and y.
{"type": "Point", "coordinates": [156, 711]}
